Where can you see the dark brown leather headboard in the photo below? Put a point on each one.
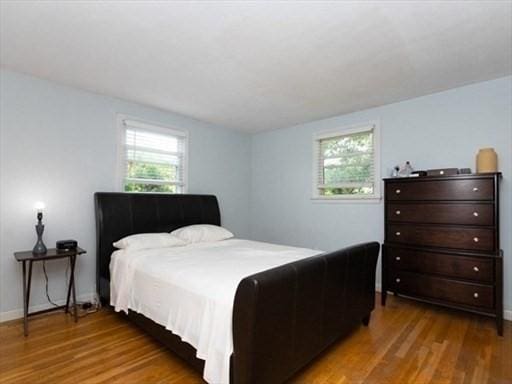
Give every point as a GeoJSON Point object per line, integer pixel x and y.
{"type": "Point", "coordinates": [122, 214]}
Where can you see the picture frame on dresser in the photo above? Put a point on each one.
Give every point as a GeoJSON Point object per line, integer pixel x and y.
{"type": "Point", "coordinates": [441, 242]}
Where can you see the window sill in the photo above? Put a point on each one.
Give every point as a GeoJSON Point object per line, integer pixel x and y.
{"type": "Point", "coordinates": [346, 200]}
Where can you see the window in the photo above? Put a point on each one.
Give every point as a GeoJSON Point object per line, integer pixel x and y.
{"type": "Point", "coordinates": [152, 158]}
{"type": "Point", "coordinates": [346, 163]}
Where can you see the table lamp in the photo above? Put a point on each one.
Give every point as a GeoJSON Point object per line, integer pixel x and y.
{"type": "Point", "coordinates": [39, 248]}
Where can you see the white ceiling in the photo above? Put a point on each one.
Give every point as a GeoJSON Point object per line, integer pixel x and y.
{"type": "Point", "coordinates": [255, 66]}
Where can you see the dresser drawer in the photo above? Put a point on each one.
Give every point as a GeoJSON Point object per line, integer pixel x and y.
{"type": "Point", "coordinates": [465, 189]}
{"type": "Point", "coordinates": [457, 292]}
{"type": "Point", "coordinates": [453, 266]}
{"type": "Point", "coordinates": [438, 213]}
{"type": "Point", "coordinates": [478, 239]}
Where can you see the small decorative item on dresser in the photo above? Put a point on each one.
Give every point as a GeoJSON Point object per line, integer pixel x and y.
{"type": "Point", "coordinates": [443, 172]}
{"type": "Point", "coordinates": [486, 161]}
{"type": "Point", "coordinates": [406, 170]}
{"type": "Point", "coordinates": [39, 248]}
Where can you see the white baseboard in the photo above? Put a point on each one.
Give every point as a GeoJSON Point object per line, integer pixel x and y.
{"type": "Point", "coordinates": [507, 313]}
{"type": "Point", "coordinates": [18, 313]}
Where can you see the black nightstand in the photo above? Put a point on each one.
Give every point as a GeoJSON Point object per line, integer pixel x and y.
{"type": "Point", "coordinates": [51, 254]}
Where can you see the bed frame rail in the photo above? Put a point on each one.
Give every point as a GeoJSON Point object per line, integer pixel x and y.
{"type": "Point", "coordinates": [285, 316]}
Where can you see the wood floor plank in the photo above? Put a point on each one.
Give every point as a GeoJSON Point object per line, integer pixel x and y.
{"type": "Point", "coordinates": [406, 342]}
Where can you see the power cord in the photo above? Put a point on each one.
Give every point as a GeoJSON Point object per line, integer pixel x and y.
{"type": "Point", "coordinates": [46, 285]}
{"type": "Point", "coordinates": [85, 308]}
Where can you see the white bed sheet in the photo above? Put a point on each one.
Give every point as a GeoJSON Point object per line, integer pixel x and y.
{"type": "Point", "coordinates": [190, 290]}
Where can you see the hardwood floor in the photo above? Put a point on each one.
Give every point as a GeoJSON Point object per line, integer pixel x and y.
{"type": "Point", "coordinates": [406, 342]}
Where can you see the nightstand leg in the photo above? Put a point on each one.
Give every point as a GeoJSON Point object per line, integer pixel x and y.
{"type": "Point", "coordinates": [66, 310]}
{"type": "Point", "coordinates": [29, 283]}
{"type": "Point", "coordinates": [72, 281]}
{"type": "Point", "coordinates": [25, 304]}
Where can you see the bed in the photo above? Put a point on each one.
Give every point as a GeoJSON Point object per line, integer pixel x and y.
{"type": "Point", "coordinates": [282, 317]}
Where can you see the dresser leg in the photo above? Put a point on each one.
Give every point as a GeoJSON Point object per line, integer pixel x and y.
{"type": "Point", "coordinates": [383, 280]}
{"type": "Point", "coordinates": [499, 294]}
{"type": "Point", "coordinates": [499, 325]}
{"type": "Point", "coordinates": [366, 320]}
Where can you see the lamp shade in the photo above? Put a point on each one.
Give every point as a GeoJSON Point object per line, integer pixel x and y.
{"type": "Point", "coordinates": [39, 206]}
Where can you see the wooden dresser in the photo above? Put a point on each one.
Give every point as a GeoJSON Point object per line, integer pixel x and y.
{"type": "Point", "coordinates": [442, 242]}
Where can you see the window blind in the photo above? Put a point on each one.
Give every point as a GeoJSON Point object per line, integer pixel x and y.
{"type": "Point", "coordinates": [154, 158]}
{"type": "Point", "coordinates": [346, 163]}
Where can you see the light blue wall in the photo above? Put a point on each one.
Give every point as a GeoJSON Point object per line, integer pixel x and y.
{"type": "Point", "coordinates": [58, 144]}
{"type": "Point", "coordinates": [436, 131]}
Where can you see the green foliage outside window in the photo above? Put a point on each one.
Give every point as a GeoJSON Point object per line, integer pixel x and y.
{"type": "Point", "coordinates": [150, 172]}
{"type": "Point", "coordinates": [138, 187]}
{"type": "Point", "coordinates": [348, 160]}
{"type": "Point", "coordinates": [347, 191]}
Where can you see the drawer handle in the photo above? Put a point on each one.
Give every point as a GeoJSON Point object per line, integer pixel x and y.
{"type": "Point", "coordinates": [475, 295]}
{"type": "Point", "coordinates": [476, 269]}
{"type": "Point", "coordinates": [397, 233]}
{"type": "Point", "coordinates": [475, 214]}
{"type": "Point", "coordinates": [476, 239]}
{"type": "Point", "coordinates": [397, 258]}
{"type": "Point", "coordinates": [397, 280]}
{"type": "Point", "coordinates": [441, 172]}
{"type": "Point", "coordinates": [397, 212]}
{"type": "Point", "coordinates": [475, 189]}
{"type": "Point", "coordinates": [398, 191]}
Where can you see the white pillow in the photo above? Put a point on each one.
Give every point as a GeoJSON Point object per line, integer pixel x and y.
{"type": "Point", "coordinates": [202, 233]}
{"type": "Point", "coordinates": [148, 241]}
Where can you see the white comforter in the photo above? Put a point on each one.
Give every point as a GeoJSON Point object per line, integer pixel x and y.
{"type": "Point", "coordinates": [190, 290]}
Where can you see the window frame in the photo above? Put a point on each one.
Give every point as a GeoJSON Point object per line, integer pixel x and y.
{"type": "Point", "coordinates": [152, 127]}
{"type": "Point", "coordinates": [343, 131]}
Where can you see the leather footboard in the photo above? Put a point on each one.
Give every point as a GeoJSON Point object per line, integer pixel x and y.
{"type": "Point", "coordinates": [285, 316]}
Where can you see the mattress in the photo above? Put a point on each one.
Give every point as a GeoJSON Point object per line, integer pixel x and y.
{"type": "Point", "coordinates": [190, 290]}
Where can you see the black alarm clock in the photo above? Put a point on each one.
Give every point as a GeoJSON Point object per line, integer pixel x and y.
{"type": "Point", "coordinates": [66, 245]}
